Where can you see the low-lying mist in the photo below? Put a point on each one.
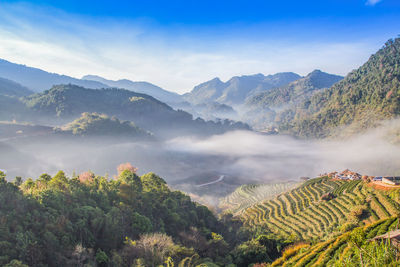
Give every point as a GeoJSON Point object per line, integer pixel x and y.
{"type": "Point", "coordinates": [247, 155]}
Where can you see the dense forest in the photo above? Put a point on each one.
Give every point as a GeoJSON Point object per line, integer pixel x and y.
{"type": "Point", "coordinates": [126, 220]}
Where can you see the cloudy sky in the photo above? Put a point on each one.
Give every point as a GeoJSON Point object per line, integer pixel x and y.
{"type": "Point", "coordinates": [178, 44]}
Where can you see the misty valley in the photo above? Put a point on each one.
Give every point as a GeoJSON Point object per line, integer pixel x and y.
{"type": "Point", "coordinates": [294, 167]}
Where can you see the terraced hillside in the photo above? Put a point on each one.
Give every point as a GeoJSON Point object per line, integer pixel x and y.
{"type": "Point", "coordinates": [344, 250]}
{"type": "Point", "coordinates": [250, 194]}
{"type": "Point", "coordinates": [321, 208]}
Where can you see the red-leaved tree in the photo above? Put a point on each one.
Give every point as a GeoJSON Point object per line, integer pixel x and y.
{"type": "Point", "coordinates": [126, 166]}
{"type": "Point", "coordinates": [86, 177]}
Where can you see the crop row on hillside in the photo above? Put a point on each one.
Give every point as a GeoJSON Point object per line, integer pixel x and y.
{"type": "Point", "coordinates": [320, 208]}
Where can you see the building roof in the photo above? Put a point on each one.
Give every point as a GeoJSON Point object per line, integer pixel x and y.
{"type": "Point", "coordinates": [392, 234]}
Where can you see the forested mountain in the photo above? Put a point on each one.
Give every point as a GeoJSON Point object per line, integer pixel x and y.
{"type": "Point", "coordinates": [57, 221]}
{"type": "Point", "coordinates": [294, 92]}
{"type": "Point", "coordinates": [363, 98]}
{"type": "Point", "coordinates": [11, 88]}
{"type": "Point", "coordinates": [64, 103]}
{"type": "Point", "coordinates": [94, 124]}
{"type": "Point", "coordinates": [238, 88]}
{"type": "Point", "coordinates": [38, 80]}
{"type": "Point", "coordinates": [139, 87]}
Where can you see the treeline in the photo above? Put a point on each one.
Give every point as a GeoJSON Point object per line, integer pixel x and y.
{"type": "Point", "coordinates": [90, 220]}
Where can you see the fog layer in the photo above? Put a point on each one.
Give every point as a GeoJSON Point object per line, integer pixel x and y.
{"type": "Point", "coordinates": [247, 155]}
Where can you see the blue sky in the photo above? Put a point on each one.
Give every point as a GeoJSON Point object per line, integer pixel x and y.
{"type": "Point", "coordinates": [178, 44]}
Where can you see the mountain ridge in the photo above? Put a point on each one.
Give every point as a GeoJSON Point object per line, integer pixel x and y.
{"type": "Point", "coordinates": [39, 80]}
{"type": "Point", "coordinates": [295, 91]}
{"type": "Point", "coordinates": [139, 87]}
{"type": "Point", "coordinates": [236, 89]}
{"type": "Point", "coordinates": [364, 97]}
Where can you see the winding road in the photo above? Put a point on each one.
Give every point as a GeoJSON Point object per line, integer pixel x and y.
{"type": "Point", "coordinates": [221, 177]}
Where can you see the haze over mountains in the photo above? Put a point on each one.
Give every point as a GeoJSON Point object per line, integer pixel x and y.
{"type": "Point", "coordinates": [11, 88]}
{"type": "Point", "coordinates": [287, 101]}
{"type": "Point", "coordinates": [63, 103]}
{"type": "Point", "coordinates": [238, 88]}
{"type": "Point", "coordinates": [139, 87]}
{"type": "Point", "coordinates": [293, 92]}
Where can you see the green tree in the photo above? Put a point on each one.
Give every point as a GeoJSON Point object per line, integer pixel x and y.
{"type": "Point", "coordinates": [59, 181]}
{"type": "Point", "coordinates": [101, 258]}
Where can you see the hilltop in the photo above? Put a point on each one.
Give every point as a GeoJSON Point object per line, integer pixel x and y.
{"type": "Point", "coordinates": [39, 80]}
{"type": "Point", "coordinates": [294, 92]}
{"type": "Point", "coordinates": [238, 88]}
{"type": "Point", "coordinates": [94, 124]}
{"type": "Point", "coordinates": [270, 107]}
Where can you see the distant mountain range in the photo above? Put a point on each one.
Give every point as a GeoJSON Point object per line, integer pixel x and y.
{"type": "Point", "coordinates": [294, 92]}
{"type": "Point", "coordinates": [358, 102]}
{"type": "Point", "coordinates": [39, 80]}
{"type": "Point", "coordinates": [139, 87]}
{"type": "Point", "coordinates": [316, 105]}
{"type": "Point", "coordinates": [63, 103]}
{"type": "Point", "coordinates": [238, 88]}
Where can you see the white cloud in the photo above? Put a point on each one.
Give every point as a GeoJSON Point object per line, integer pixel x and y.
{"type": "Point", "coordinates": [373, 2]}
{"type": "Point", "coordinates": [172, 58]}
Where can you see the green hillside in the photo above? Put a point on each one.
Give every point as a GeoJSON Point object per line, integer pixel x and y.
{"type": "Point", "coordinates": [250, 194]}
{"type": "Point", "coordinates": [346, 249]}
{"type": "Point", "coordinates": [365, 96]}
{"type": "Point", "coordinates": [89, 220]}
{"type": "Point", "coordinates": [308, 213]}
{"type": "Point", "coordinates": [94, 124]}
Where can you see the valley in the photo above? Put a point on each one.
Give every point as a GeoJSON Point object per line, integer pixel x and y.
{"type": "Point", "coordinates": [295, 167]}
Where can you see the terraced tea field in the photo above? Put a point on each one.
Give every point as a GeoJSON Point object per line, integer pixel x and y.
{"type": "Point", "coordinates": [302, 214]}
{"type": "Point", "coordinates": [250, 194]}
{"type": "Point", "coordinates": [340, 249]}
